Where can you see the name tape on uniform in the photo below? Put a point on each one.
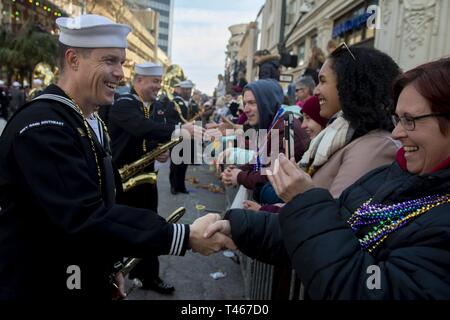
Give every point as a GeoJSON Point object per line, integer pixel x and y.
{"type": "Point", "coordinates": [41, 123]}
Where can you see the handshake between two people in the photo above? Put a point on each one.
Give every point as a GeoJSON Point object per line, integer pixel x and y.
{"type": "Point", "coordinates": [210, 234]}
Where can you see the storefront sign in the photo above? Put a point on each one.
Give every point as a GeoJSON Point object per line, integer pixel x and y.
{"type": "Point", "coordinates": [287, 78]}
{"type": "Point", "coordinates": [351, 24]}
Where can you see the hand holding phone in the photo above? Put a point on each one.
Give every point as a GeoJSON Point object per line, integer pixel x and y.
{"type": "Point", "coordinates": [289, 134]}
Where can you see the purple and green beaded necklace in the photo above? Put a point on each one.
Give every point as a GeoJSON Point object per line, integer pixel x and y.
{"type": "Point", "coordinates": [385, 219]}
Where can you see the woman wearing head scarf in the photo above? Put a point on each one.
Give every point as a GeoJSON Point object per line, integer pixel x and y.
{"type": "Point", "coordinates": [313, 122]}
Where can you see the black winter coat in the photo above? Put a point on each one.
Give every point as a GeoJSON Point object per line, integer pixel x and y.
{"type": "Point", "coordinates": [269, 68]}
{"type": "Point", "coordinates": [414, 261]}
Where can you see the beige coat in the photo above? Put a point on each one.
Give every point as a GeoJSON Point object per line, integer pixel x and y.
{"type": "Point", "coordinates": [350, 163]}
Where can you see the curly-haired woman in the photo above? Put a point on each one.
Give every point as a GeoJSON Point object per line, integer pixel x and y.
{"type": "Point", "coordinates": [354, 91]}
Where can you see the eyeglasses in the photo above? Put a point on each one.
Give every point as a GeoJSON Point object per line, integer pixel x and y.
{"type": "Point", "coordinates": [342, 48]}
{"type": "Point", "coordinates": [299, 89]}
{"type": "Point", "coordinates": [409, 122]}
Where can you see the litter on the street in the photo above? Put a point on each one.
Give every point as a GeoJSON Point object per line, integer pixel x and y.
{"type": "Point", "coordinates": [218, 275]}
{"type": "Point", "coordinates": [229, 254]}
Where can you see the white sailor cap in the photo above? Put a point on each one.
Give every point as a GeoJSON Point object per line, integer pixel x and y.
{"type": "Point", "coordinates": [92, 31]}
{"type": "Point", "coordinates": [187, 84]}
{"type": "Point", "coordinates": [37, 82]}
{"type": "Point", "coordinates": [149, 69]}
{"type": "Point", "coordinates": [16, 84]}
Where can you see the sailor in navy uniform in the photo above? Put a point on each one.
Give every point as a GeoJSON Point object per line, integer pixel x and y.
{"type": "Point", "coordinates": [60, 228]}
{"type": "Point", "coordinates": [136, 127]}
{"type": "Point", "coordinates": [178, 171]}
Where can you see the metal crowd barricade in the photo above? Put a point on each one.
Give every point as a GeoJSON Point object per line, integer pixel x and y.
{"type": "Point", "coordinates": [263, 281]}
{"type": "Point", "coordinates": [266, 282]}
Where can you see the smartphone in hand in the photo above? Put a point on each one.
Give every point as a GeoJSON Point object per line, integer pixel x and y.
{"type": "Point", "coordinates": [289, 135]}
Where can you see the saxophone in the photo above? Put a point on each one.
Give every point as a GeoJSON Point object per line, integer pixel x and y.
{"type": "Point", "coordinates": [130, 173]}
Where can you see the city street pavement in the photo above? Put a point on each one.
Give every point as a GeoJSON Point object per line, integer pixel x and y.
{"type": "Point", "coordinates": [191, 274]}
{"type": "Point", "coordinates": [2, 124]}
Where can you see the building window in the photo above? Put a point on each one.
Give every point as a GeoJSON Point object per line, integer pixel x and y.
{"type": "Point", "coordinates": [291, 12]}
{"type": "Point", "coordinates": [269, 35]}
{"type": "Point", "coordinates": [163, 1]}
{"type": "Point", "coordinates": [355, 37]}
{"type": "Point", "coordinates": [301, 54]}
{"type": "Point", "coordinates": [163, 36]}
{"type": "Point", "coordinates": [159, 6]}
{"type": "Point", "coordinates": [164, 19]}
{"type": "Point", "coordinates": [164, 13]}
{"type": "Point", "coordinates": [314, 39]}
{"type": "Point", "coordinates": [370, 33]}
{"type": "Point", "coordinates": [162, 42]}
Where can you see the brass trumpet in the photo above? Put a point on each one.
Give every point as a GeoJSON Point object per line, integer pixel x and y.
{"type": "Point", "coordinates": [130, 173]}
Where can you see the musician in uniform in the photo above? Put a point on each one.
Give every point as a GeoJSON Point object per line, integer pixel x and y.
{"type": "Point", "coordinates": [182, 98]}
{"type": "Point", "coordinates": [137, 124]}
{"type": "Point", "coordinates": [60, 228]}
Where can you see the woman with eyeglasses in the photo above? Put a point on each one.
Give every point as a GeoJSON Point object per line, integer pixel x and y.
{"type": "Point", "coordinates": [388, 235]}
{"type": "Point", "coordinates": [304, 88]}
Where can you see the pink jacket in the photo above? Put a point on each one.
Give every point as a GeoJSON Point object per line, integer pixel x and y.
{"type": "Point", "coordinates": [353, 161]}
{"type": "Point", "coordinates": [350, 163]}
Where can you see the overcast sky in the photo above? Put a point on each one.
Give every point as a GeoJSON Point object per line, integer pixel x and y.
{"type": "Point", "coordinates": [200, 36]}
